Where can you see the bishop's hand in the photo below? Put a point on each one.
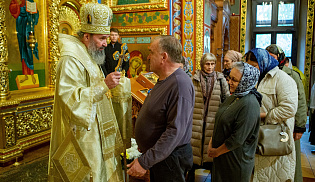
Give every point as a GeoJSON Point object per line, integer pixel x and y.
{"type": "Point", "coordinates": [112, 79]}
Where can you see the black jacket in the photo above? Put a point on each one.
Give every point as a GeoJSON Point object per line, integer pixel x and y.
{"type": "Point", "coordinates": [110, 63]}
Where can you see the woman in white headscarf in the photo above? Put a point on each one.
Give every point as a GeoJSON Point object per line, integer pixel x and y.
{"type": "Point", "coordinates": [230, 58]}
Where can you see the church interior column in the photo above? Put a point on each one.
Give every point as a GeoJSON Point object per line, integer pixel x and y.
{"type": "Point", "coordinates": [53, 27]}
{"type": "Point", "coordinates": [4, 71]}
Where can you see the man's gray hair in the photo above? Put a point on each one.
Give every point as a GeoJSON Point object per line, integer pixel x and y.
{"type": "Point", "coordinates": [171, 46]}
{"type": "Point", "coordinates": [80, 34]}
{"type": "Point", "coordinates": [239, 66]}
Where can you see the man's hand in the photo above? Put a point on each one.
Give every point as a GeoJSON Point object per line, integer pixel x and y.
{"type": "Point", "coordinates": [136, 169]}
{"type": "Point", "coordinates": [297, 136]}
{"type": "Point", "coordinates": [112, 79]}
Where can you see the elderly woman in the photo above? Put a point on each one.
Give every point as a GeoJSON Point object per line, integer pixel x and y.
{"type": "Point", "coordinates": [230, 58]}
{"type": "Point", "coordinates": [279, 104]}
{"type": "Point", "coordinates": [210, 91]}
{"type": "Point", "coordinates": [236, 127]}
{"type": "Point", "coordinates": [301, 114]}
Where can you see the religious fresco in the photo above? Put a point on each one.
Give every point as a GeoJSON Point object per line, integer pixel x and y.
{"type": "Point", "coordinates": [26, 43]}
{"type": "Point", "coordinates": [135, 63]}
{"type": "Point", "coordinates": [123, 6]}
{"type": "Point", "coordinates": [207, 27]}
{"type": "Point", "coordinates": [207, 13]}
{"type": "Point", "coordinates": [207, 40]}
{"type": "Point", "coordinates": [147, 18]}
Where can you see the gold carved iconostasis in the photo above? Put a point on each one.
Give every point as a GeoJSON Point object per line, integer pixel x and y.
{"type": "Point", "coordinates": [28, 58]}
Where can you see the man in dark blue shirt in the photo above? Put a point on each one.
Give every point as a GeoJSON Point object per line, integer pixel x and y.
{"type": "Point", "coordinates": [164, 125]}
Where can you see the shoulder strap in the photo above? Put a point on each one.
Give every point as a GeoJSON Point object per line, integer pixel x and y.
{"type": "Point", "coordinates": [222, 95]}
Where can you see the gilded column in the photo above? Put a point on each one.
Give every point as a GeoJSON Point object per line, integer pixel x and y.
{"type": "Point", "coordinates": [309, 43]}
{"type": "Point", "coordinates": [53, 49]}
{"type": "Point", "coordinates": [199, 32]}
{"type": "Point", "coordinates": [243, 25]}
{"type": "Point", "coordinates": [4, 71]}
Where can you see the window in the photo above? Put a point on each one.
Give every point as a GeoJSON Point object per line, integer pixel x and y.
{"type": "Point", "coordinates": [275, 22]}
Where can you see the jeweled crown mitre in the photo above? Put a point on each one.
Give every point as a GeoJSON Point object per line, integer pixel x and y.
{"type": "Point", "coordinates": [96, 18]}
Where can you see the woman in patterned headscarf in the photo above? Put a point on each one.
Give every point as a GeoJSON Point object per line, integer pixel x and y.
{"type": "Point", "coordinates": [236, 127]}
{"type": "Point", "coordinates": [230, 58]}
{"type": "Point", "coordinates": [279, 104]}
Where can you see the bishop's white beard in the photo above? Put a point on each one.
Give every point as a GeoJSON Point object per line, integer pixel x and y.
{"type": "Point", "coordinates": [97, 55]}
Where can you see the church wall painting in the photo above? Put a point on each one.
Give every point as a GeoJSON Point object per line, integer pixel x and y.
{"type": "Point", "coordinates": [141, 18]}
{"type": "Point", "coordinates": [120, 6]}
{"type": "Point", "coordinates": [27, 66]}
{"type": "Point", "coordinates": [207, 40]}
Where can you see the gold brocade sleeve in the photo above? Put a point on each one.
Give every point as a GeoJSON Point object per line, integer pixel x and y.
{"type": "Point", "coordinates": [76, 96]}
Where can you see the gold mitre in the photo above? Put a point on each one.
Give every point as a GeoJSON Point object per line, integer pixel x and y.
{"type": "Point", "coordinates": [96, 18]}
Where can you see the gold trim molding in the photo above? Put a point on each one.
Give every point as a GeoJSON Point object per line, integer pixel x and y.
{"type": "Point", "coordinates": [200, 32]}
{"type": "Point", "coordinates": [149, 30]}
{"type": "Point", "coordinates": [243, 26]}
{"type": "Point", "coordinates": [309, 43]}
{"type": "Point", "coordinates": [154, 6]}
{"type": "Point", "coordinates": [53, 49]}
{"type": "Point", "coordinates": [69, 16]}
{"type": "Point", "coordinates": [4, 70]}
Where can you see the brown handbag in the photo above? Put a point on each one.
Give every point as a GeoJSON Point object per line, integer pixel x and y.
{"type": "Point", "coordinates": [274, 140]}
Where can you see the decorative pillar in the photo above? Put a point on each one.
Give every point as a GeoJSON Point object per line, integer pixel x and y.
{"type": "Point", "coordinates": [53, 49]}
{"type": "Point", "coordinates": [243, 26]}
{"type": "Point", "coordinates": [309, 44]}
{"type": "Point", "coordinates": [188, 31]}
{"type": "Point", "coordinates": [199, 32]}
{"type": "Point", "coordinates": [177, 19]}
{"type": "Point", "coordinates": [4, 71]}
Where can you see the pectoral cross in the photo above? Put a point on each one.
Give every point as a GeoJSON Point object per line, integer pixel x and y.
{"type": "Point", "coordinates": [121, 57]}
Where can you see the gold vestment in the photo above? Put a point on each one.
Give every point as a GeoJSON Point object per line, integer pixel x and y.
{"type": "Point", "coordinates": [85, 133]}
{"type": "Point", "coordinates": [122, 104]}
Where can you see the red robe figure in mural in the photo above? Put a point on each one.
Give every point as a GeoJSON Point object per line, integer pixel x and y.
{"type": "Point", "coordinates": [25, 22]}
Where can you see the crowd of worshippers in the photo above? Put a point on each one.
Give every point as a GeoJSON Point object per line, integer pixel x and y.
{"type": "Point", "coordinates": [209, 119]}
{"type": "Point", "coordinates": [263, 88]}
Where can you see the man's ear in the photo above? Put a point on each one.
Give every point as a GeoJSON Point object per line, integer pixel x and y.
{"type": "Point", "coordinates": [165, 56]}
{"type": "Point", "coordinates": [85, 39]}
{"type": "Point", "coordinates": [86, 36]}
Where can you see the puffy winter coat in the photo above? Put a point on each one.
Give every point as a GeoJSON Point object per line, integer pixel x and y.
{"type": "Point", "coordinates": [280, 101]}
{"type": "Point", "coordinates": [202, 130]}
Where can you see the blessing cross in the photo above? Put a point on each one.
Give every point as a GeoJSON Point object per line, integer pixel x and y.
{"type": "Point", "coordinates": [123, 56]}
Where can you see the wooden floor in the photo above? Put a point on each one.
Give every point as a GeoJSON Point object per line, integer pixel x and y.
{"type": "Point", "coordinates": [202, 175]}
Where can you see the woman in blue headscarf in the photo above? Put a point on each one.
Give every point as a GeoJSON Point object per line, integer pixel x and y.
{"type": "Point", "coordinates": [279, 104]}
{"type": "Point", "coordinates": [236, 127]}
